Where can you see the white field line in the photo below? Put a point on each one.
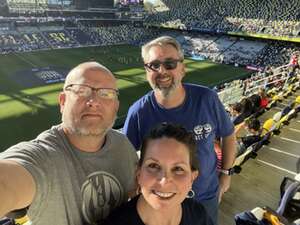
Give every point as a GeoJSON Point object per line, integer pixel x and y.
{"type": "Point", "coordinates": [25, 60]}
{"type": "Point", "coordinates": [293, 129]}
{"type": "Point", "coordinates": [291, 140]}
{"type": "Point", "coordinates": [283, 152]}
{"type": "Point", "coordinates": [277, 167]}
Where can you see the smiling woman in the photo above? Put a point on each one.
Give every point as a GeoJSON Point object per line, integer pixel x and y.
{"type": "Point", "coordinates": [166, 171]}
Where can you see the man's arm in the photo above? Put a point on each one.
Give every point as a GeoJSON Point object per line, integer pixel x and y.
{"type": "Point", "coordinates": [228, 156]}
{"type": "Point", "coordinates": [17, 187]}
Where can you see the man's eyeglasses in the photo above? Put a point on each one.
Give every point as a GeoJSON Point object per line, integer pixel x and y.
{"type": "Point", "coordinates": [169, 64]}
{"type": "Point", "coordinates": [86, 91]}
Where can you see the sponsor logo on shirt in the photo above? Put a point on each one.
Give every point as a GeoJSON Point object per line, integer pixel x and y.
{"type": "Point", "coordinates": [202, 131]}
{"type": "Point", "coordinates": [101, 193]}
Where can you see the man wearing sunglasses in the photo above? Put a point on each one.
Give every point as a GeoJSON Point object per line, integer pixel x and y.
{"type": "Point", "coordinates": [195, 107]}
{"type": "Point", "coordinates": [78, 171]}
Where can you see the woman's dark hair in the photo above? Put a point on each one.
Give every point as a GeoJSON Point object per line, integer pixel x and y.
{"type": "Point", "coordinates": [238, 107]}
{"type": "Point", "coordinates": [179, 133]}
{"type": "Point", "coordinates": [253, 124]}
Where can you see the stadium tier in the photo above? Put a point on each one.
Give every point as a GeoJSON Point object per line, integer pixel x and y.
{"type": "Point", "coordinates": [240, 48]}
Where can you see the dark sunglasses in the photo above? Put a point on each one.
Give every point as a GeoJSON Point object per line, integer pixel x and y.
{"type": "Point", "coordinates": [169, 64]}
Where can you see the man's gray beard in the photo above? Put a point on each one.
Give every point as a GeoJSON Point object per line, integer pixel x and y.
{"type": "Point", "coordinates": [166, 91]}
{"type": "Point", "coordinates": [95, 133]}
{"type": "Point", "coordinates": [79, 131]}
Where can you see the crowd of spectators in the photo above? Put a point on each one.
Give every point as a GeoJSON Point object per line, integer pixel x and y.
{"type": "Point", "coordinates": [237, 51]}
{"type": "Point", "coordinates": [243, 51]}
{"type": "Point", "coordinates": [276, 53]}
{"type": "Point", "coordinates": [52, 37]}
{"type": "Point", "coordinates": [254, 16]}
{"type": "Point", "coordinates": [17, 42]}
{"type": "Point", "coordinates": [81, 37]}
{"type": "Point", "coordinates": [276, 28]}
{"type": "Point", "coordinates": [221, 49]}
{"type": "Point", "coordinates": [269, 17]}
{"type": "Point", "coordinates": [257, 84]}
{"type": "Point", "coordinates": [122, 34]}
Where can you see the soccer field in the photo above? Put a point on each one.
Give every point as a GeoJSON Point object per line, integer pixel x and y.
{"type": "Point", "coordinates": [28, 102]}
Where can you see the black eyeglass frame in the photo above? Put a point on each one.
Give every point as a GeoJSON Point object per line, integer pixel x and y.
{"type": "Point", "coordinates": [164, 63]}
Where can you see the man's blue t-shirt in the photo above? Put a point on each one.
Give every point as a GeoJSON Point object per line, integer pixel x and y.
{"type": "Point", "coordinates": [201, 113]}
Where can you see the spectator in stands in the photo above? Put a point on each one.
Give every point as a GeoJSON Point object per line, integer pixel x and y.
{"type": "Point", "coordinates": [167, 168]}
{"type": "Point", "coordinates": [236, 110]}
{"type": "Point", "coordinates": [255, 100]}
{"type": "Point", "coordinates": [195, 107]}
{"type": "Point", "coordinates": [254, 129]}
{"type": "Point", "coordinates": [248, 107]}
{"type": "Point", "coordinates": [264, 100]}
{"type": "Point", "coordinates": [241, 110]}
{"type": "Point", "coordinates": [59, 175]}
{"type": "Point", "coordinates": [294, 62]}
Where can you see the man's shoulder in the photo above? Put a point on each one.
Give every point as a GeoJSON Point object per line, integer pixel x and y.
{"type": "Point", "coordinates": [116, 137]}
{"type": "Point", "coordinates": [200, 93]}
{"type": "Point", "coordinates": [44, 145]}
{"type": "Point", "coordinates": [52, 137]}
{"type": "Point", "coordinates": [142, 102]}
{"type": "Point", "coordinates": [44, 137]}
{"type": "Point", "coordinates": [53, 131]}
{"type": "Point", "coordinates": [116, 134]}
{"type": "Point", "coordinates": [21, 147]}
{"type": "Point", "coordinates": [199, 89]}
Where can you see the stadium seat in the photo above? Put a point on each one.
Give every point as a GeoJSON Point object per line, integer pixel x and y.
{"type": "Point", "coordinates": [268, 126]}
{"type": "Point", "coordinates": [16, 217]}
{"type": "Point", "coordinates": [287, 213]}
{"type": "Point", "coordinates": [240, 160]}
{"type": "Point", "coordinates": [290, 198]}
{"type": "Point", "coordinates": [277, 116]}
{"type": "Point", "coordinates": [297, 101]}
{"type": "Point", "coordinates": [251, 152]}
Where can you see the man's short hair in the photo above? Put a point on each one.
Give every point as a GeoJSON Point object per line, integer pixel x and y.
{"type": "Point", "coordinates": [162, 41]}
{"type": "Point", "coordinates": [95, 66]}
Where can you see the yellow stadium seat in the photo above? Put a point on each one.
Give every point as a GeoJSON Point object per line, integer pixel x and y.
{"type": "Point", "coordinates": [268, 126]}
{"type": "Point", "coordinates": [275, 98]}
{"type": "Point", "coordinates": [297, 100]}
{"type": "Point", "coordinates": [23, 220]}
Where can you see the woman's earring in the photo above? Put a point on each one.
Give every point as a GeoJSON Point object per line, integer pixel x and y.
{"type": "Point", "coordinates": [190, 194]}
{"type": "Point", "coordinates": [138, 190]}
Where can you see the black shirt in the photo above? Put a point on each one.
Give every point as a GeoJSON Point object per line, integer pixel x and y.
{"type": "Point", "coordinates": [193, 213]}
{"type": "Point", "coordinates": [250, 139]}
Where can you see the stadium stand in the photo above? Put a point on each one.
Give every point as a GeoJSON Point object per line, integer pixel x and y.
{"type": "Point", "coordinates": [200, 26]}
{"type": "Point", "coordinates": [276, 53]}
{"type": "Point", "coordinates": [267, 17]}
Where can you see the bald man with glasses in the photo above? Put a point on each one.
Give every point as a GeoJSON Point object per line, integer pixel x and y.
{"type": "Point", "coordinates": [78, 171]}
{"type": "Point", "coordinates": [195, 107]}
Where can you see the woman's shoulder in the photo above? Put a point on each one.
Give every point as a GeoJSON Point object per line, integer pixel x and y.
{"type": "Point", "coordinates": [190, 203]}
{"type": "Point", "coordinates": [124, 214]}
{"type": "Point", "coordinates": [194, 213]}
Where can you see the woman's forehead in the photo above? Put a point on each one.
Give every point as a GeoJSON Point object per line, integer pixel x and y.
{"type": "Point", "coordinates": [167, 148]}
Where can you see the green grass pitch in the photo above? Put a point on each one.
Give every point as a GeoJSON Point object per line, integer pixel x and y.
{"type": "Point", "coordinates": [25, 112]}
